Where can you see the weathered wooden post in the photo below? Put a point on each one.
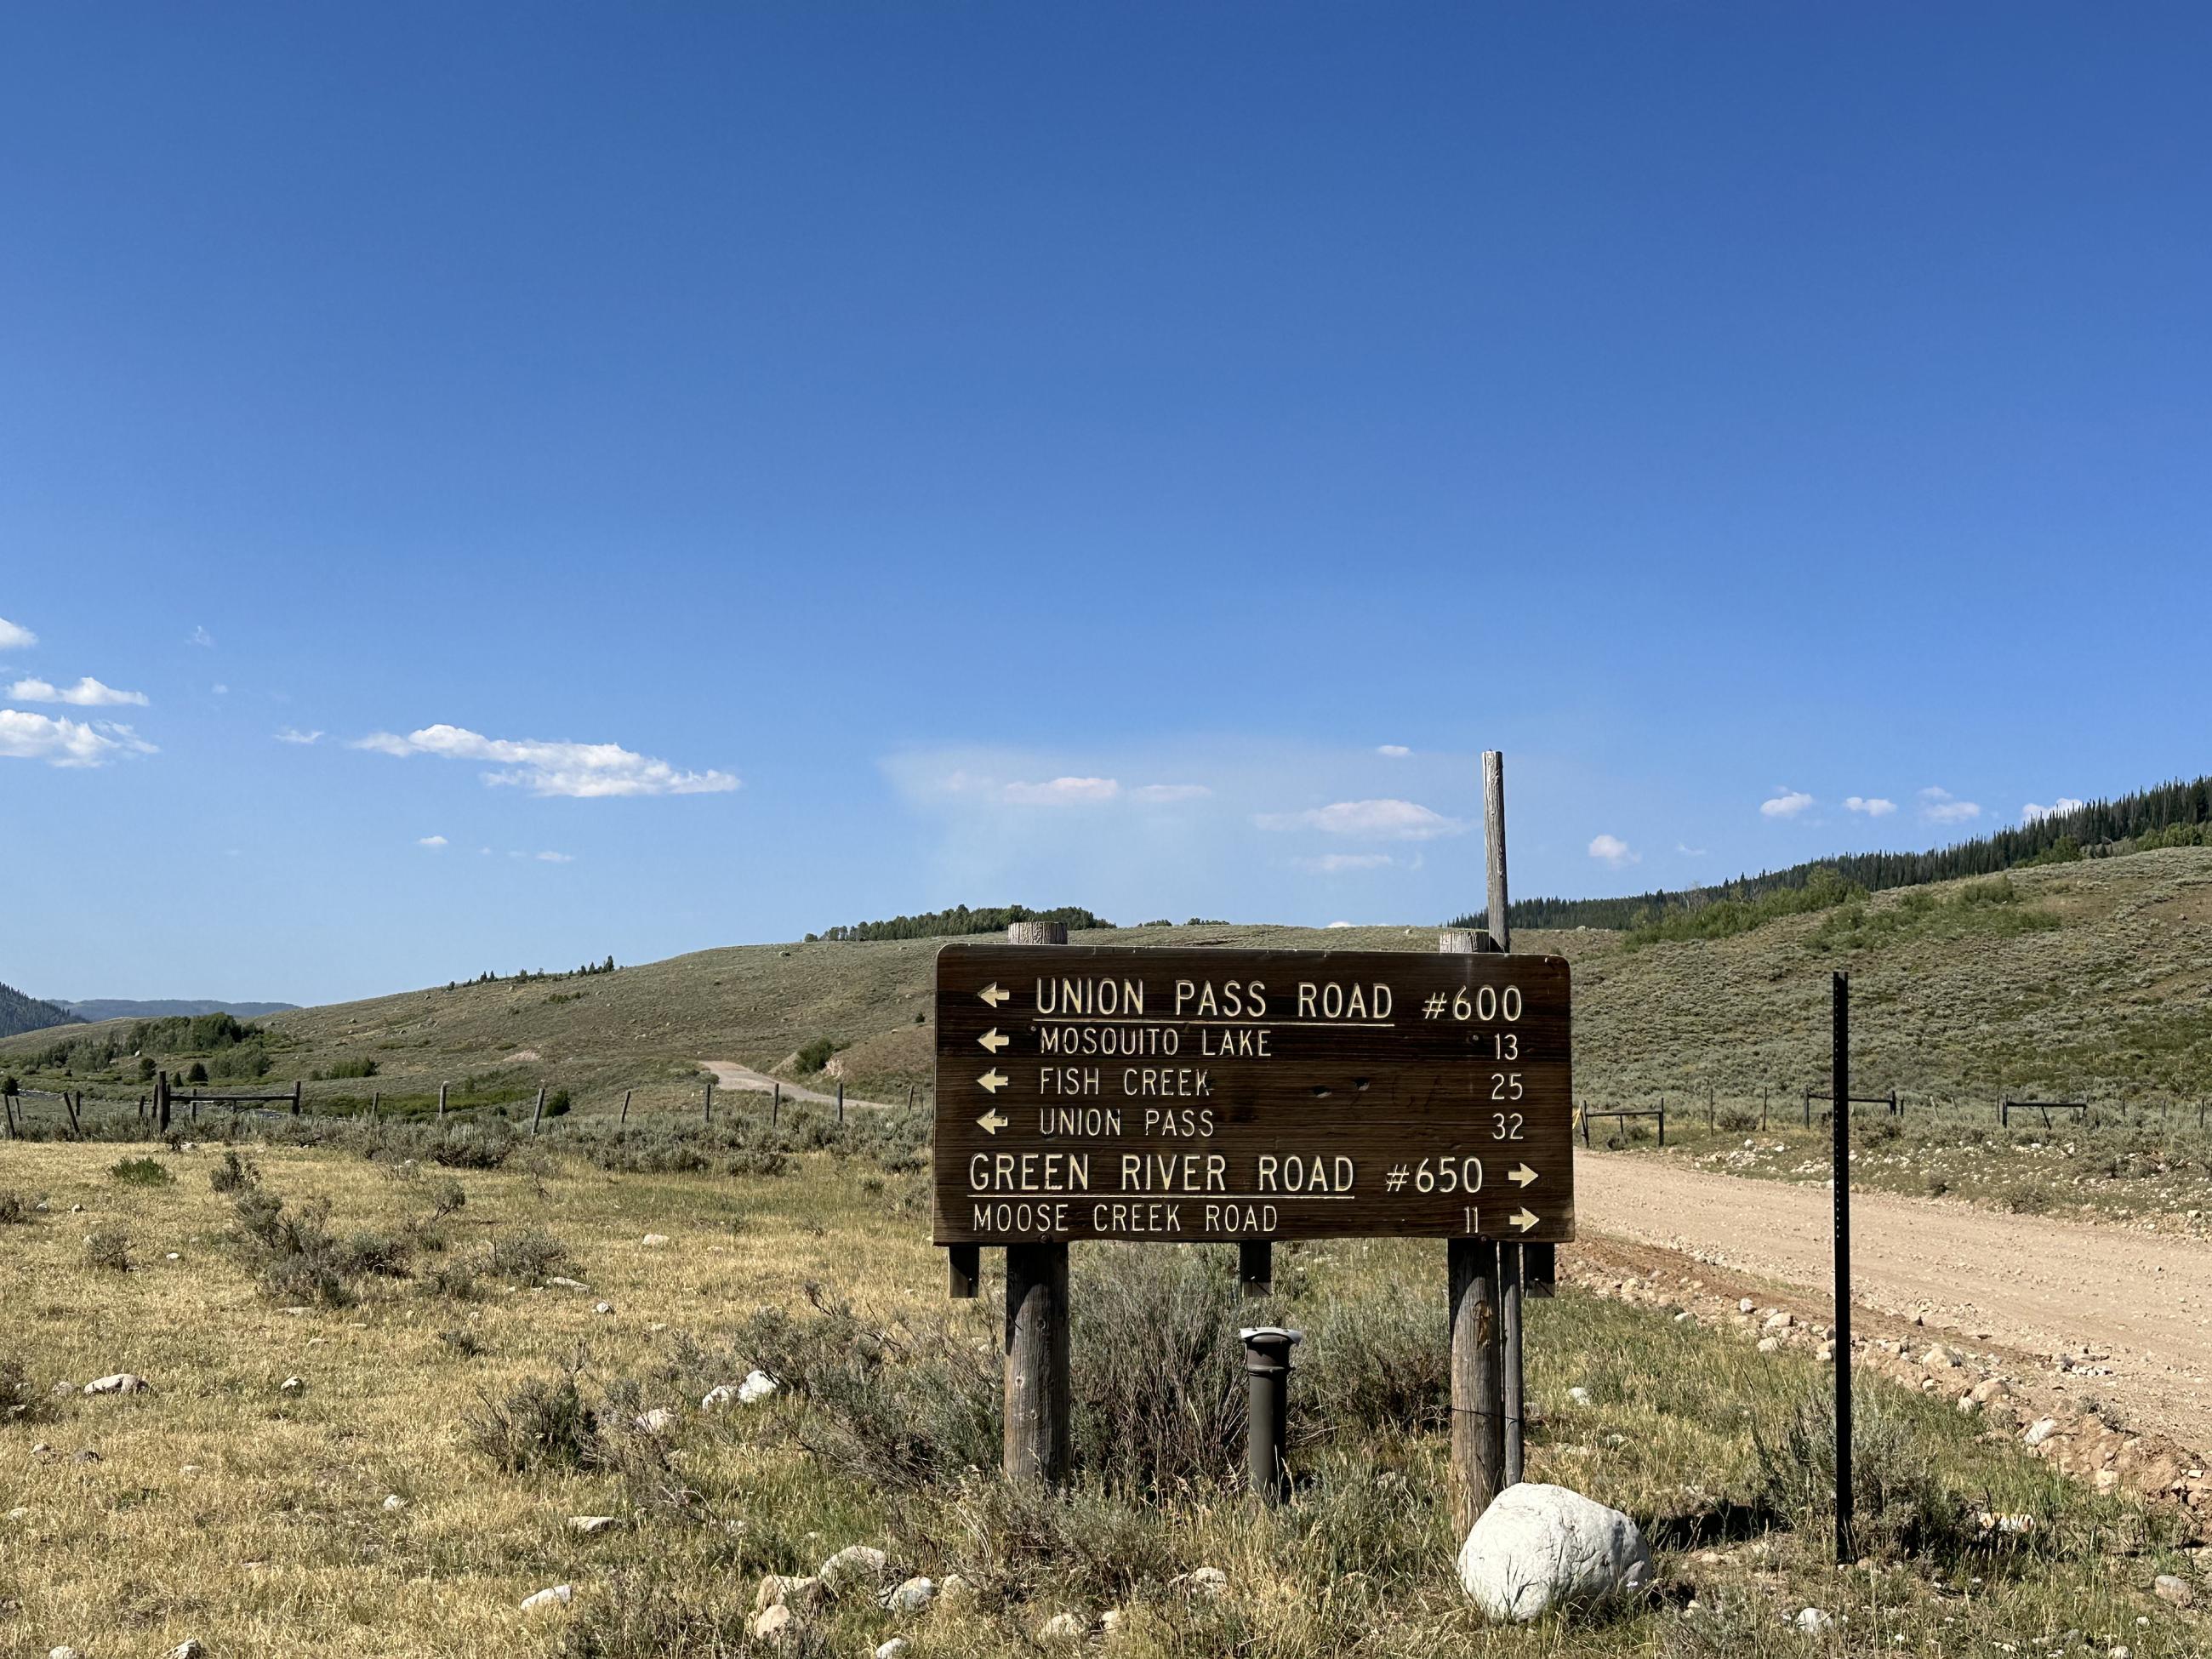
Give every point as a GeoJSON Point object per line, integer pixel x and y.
{"type": "Point", "coordinates": [295, 1096]}
{"type": "Point", "coordinates": [73, 1107]}
{"type": "Point", "coordinates": [1036, 1384]}
{"type": "Point", "coordinates": [538, 1116]}
{"type": "Point", "coordinates": [775, 1105]}
{"type": "Point", "coordinates": [160, 1100]}
{"type": "Point", "coordinates": [706, 1107]}
{"type": "Point", "coordinates": [624, 1119]}
{"type": "Point", "coordinates": [442, 1102]}
{"type": "Point", "coordinates": [840, 1100]}
{"type": "Point", "coordinates": [1510, 1259]}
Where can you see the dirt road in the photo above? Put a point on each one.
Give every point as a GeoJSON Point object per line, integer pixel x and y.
{"type": "Point", "coordinates": [2140, 1302]}
{"type": "Point", "coordinates": [728, 1074]}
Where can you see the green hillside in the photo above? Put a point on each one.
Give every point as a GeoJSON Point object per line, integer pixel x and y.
{"type": "Point", "coordinates": [2087, 978]}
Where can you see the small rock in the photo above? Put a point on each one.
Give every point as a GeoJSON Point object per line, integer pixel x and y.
{"type": "Point", "coordinates": [912, 1597]}
{"type": "Point", "coordinates": [1940, 1358]}
{"type": "Point", "coordinates": [660, 1422]}
{"type": "Point", "coordinates": [1206, 1581]}
{"type": "Point", "coordinates": [654, 1241]}
{"type": "Point", "coordinates": [559, 1283]}
{"type": "Point", "coordinates": [2039, 1430]}
{"type": "Point", "coordinates": [780, 1589]}
{"type": "Point", "coordinates": [291, 1385]}
{"type": "Point", "coordinates": [189, 1649]}
{"type": "Point", "coordinates": [854, 1567]}
{"type": "Point", "coordinates": [604, 1308]}
{"type": "Point", "coordinates": [1770, 1345]}
{"type": "Point", "coordinates": [88, 1455]}
{"type": "Point", "coordinates": [775, 1623]}
{"type": "Point", "coordinates": [2168, 1588]}
{"type": "Point", "coordinates": [175, 1255]}
{"type": "Point", "coordinates": [1778, 1321]}
{"type": "Point", "coordinates": [895, 1649]}
{"type": "Point", "coordinates": [717, 1397]}
{"type": "Point", "coordinates": [1064, 1627]}
{"type": "Point", "coordinates": [394, 1502]}
{"type": "Point", "coordinates": [591, 1525]}
{"type": "Point", "coordinates": [121, 1382]}
{"type": "Point", "coordinates": [63, 1653]}
{"type": "Point", "coordinates": [956, 1591]}
{"type": "Point", "coordinates": [756, 1387]}
{"type": "Point", "coordinates": [1578, 1396]}
{"type": "Point", "coordinates": [18, 1513]}
{"type": "Point", "coordinates": [1111, 1622]}
{"type": "Point", "coordinates": [1812, 1621]}
{"type": "Point", "coordinates": [1746, 1306]}
{"type": "Point", "coordinates": [559, 1595]}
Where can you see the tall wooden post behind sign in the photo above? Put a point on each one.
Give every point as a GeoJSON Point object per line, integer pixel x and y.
{"type": "Point", "coordinates": [1037, 1441]}
{"type": "Point", "coordinates": [1839, 1085]}
{"type": "Point", "coordinates": [1509, 1256]}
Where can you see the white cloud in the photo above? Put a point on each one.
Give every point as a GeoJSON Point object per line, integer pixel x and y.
{"type": "Point", "coordinates": [1786, 805]}
{"type": "Point", "coordinates": [1335, 864]}
{"type": "Point", "coordinates": [1157, 794]}
{"type": "Point", "coordinates": [431, 840]}
{"type": "Point", "coordinates": [65, 742]}
{"type": "Point", "coordinates": [1613, 851]}
{"type": "Point", "coordinates": [13, 636]}
{"type": "Point", "coordinates": [555, 857]}
{"type": "Point", "coordinates": [1373, 820]}
{"type": "Point", "coordinates": [1941, 806]}
{"type": "Point", "coordinates": [1063, 792]}
{"type": "Point", "coordinates": [582, 770]}
{"type": "Point", "coordinates": [1687, 851]}
{"type": "Point", "coordinates": [2031, 813]}
{"type": "Point", "coordinates": [200, 636]}
{"type": "Point", "coordinates": [1343, 924]}
{"type": "Point", "coordinates": [292, 734]}
{"type": "Point", "coordinates": [87, 693]}
{"type": "Point", "coordinates": [1394, 750]}
{"type": "Point", "coordinates": [220, 689]}
{"type": "Point", "coordinates": [1873, 805]}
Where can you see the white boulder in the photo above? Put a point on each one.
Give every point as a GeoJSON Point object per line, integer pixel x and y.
{"type": "Point", "coordinates": [912, 1596]}
{"type": "Point", "coordinates": [1537, 1546]}
{"type": "Point", "coordinates": [559, 1595]}
{"type": "Point", "coordinates": [854, 1567]}
{"type": "Point", "coordinates": [756, 1387]}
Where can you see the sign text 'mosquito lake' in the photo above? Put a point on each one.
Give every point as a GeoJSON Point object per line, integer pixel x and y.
{"type": "Point", "coordinates": [1189, 1094]}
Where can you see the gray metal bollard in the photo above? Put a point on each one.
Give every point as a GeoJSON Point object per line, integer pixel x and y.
{"type": "Point", "coordinates": [1267, 1375]}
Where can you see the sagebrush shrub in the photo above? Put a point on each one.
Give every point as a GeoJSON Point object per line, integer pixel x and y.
{"type": "Point", "coordinates": [141, 1172]}
{"type": "Point", "coordinates": [110, 1250]}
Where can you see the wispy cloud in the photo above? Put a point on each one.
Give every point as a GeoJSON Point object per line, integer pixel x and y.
{"type": "Point", "coordinates": [548, 858]}
{"type": "Point", "coordinates": [1394, 750]}
{"type": "Point", "coordinates": [67, 742]}
{"type": "Point", "coordinates": [1941, 806]}
{"type": "Point", "coordinates": [431, 840]}
{"type": "Point", "coordinates": [1873, 805]}
{"type": "Point", "coordinates": [87, 693]}
{"type": "Point", "coordinates": [292, 734]}
{"type": "Point", "coordinates": [1787, 803]}
{"type": "Point", "coordinates": [1370, 820]}
{"type": "Point", "coordinates": [1160, 794]}
{"type": "Point", "coordinates": [582, 770]}
{"type": "Point", "coordinates": [1063, 792]}
{"type": "Point", "coordinates": [13, 636]}
{"type": "Point", "coordinates": [200, 636]}
{"type": "Point", "coordinates": [2031, 813]}
{"type": "Point", "coordinates": [1689, 852]}
{"type": "Point", "coordinates": [1612, 851]}
{"type": "Point", "coordinates": [1336, 864]}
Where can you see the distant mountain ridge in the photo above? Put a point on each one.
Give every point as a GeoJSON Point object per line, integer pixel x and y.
{"type": "Point", "coordinates": [19, 1013]}
{"type": "Point", "coordinates": [99, 1008]}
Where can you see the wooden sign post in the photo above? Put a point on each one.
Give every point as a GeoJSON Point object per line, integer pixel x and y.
{"type": "Point", "coordinates": [1196, 1095]}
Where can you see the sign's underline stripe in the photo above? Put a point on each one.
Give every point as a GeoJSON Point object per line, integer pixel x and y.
{"type": "Point", "coordinates": [1177, 1019]}
{"type": "Point", "coordinates": [1303, 1198]}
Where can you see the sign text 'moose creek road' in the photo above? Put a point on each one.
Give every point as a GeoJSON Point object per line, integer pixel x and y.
{"type": "Point", "coordinates": [1197, 1094]}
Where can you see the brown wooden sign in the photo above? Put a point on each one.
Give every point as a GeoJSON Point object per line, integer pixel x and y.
{"type": "Point", "coordinates": [1189, 1094]}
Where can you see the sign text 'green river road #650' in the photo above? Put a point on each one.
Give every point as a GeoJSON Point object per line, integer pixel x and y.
{"type": "Point", "coordinates": [1180, 1096]}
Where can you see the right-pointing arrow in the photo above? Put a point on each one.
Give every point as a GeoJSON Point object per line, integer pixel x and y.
{"type": "Point", "coordinates": [993, 1080]}
{"type": "Point", "coordinates": [1522, 1220]}
{"type": "Point", "coordinates": [1521, 1176]}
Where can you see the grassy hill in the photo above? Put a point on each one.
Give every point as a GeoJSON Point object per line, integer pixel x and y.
{"type": "Point", "coordinates": [2087, 978]}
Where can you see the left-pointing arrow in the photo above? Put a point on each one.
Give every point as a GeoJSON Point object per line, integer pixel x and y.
{"type": "Point", "coordinates": [992, 1040]}
{"type": "Point", "coordinates": [993, 1120]}
{"type": "Point", "coordinates": [993, 1080]}
{"type": "Point", "coordinates": [1522, 1220]}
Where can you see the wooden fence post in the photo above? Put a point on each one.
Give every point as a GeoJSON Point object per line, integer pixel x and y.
{"type": "Point", "coordinates": [73, 1107]}
{"type": "Point", "coordinates": [706, 1108]}
{"type": "Point", "coordinates": [840, 1100]}
{"type": "Point", "coordinates": [775, 1105]}
{"type": "Point", "coordinates": [161, 1100]}
{"type": "Point", "coordinates": [1036, 1384]}
{"type": "Point", "coordinates": [624, 1119]}
{"type": "Point", "coordinates": [295, 1096]}
{"type": "Point", "coordinates": [442, 1102]}
{"type": "Point", "coordinates": [537, 1116]}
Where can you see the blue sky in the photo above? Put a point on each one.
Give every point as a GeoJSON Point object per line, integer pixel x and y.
{"type": "Point", "coordinates": [1132, 456]}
